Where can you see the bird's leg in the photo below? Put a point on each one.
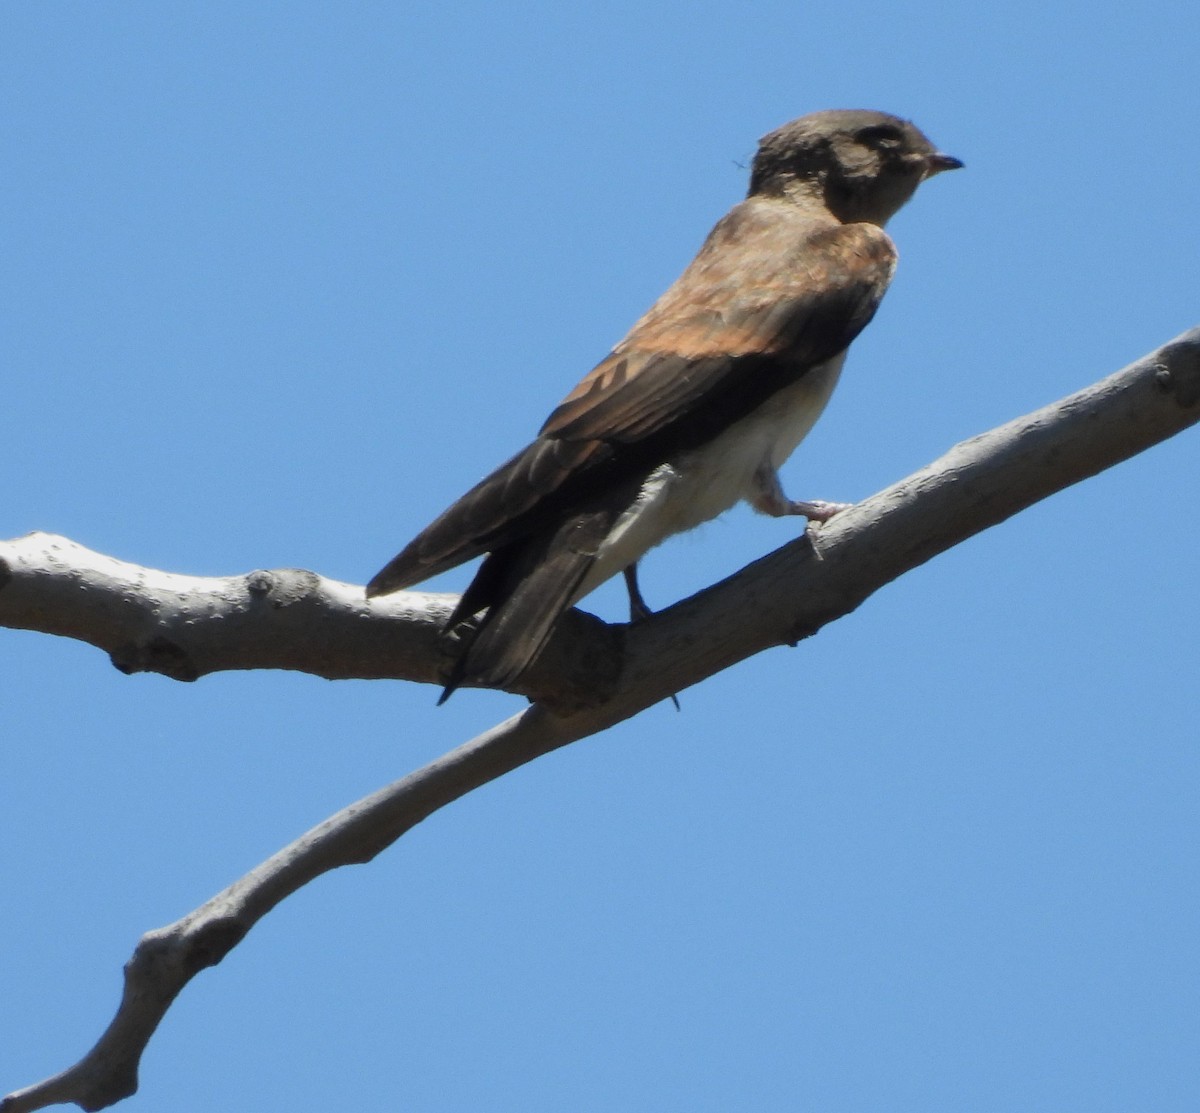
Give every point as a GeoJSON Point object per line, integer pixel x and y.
{"type": "Point", "coordinates": [768, 498]}
{"type": "Point", "coordinates": [638, 608]}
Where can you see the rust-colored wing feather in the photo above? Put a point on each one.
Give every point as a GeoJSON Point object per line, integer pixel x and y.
{"type": "Point", "coordinates": [772, 293]}
{"type": "Point", "coordinates": [746, 295]}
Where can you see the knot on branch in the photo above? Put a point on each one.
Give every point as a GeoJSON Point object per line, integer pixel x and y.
{"type": "Point", "coordinates": [156, 654]}
{"type": "Point", "coordinates": [282, 587]}
{"type": "Point", "coordinates": [1177, 370]}
{"type": "Point", "coordinates": [212, 942]}
{"type": "Point", "coordinates": [581, 666]}
{"type": "Point", "coordinates": [165, 959]}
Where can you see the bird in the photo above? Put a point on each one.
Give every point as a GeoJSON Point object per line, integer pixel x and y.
{"type": "Point", "coordinates": [697, 407]}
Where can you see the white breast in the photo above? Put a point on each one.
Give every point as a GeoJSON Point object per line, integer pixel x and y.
{"type": "Point", "coordinates": [698, 485]}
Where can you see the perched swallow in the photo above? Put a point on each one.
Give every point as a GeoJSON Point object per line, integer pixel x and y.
{"type": "Point", "coordinates": [698, 406]}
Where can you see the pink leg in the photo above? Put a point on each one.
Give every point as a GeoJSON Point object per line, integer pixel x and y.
{"type": "Point", "coordinates": [768, 498]}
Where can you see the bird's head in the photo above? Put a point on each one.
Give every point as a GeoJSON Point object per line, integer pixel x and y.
{"type": "Point", "coordinates": [862, 165]}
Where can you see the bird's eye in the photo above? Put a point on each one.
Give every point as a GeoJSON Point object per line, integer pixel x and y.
{"type": "Point", "coordinates": [880, 135]}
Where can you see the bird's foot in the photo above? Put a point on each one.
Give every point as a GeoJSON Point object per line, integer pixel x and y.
{"type": "Point", "coordinates": [768, 497]}
{"type": "Point", "coordinates": [819, 510]}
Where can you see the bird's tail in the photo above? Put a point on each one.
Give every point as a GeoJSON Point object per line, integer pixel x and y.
{"type": "Point", "coordinates": [517, 597]}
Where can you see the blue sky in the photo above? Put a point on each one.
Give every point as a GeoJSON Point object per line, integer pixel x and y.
{"type": "Point", "coordinates": [281, 280]}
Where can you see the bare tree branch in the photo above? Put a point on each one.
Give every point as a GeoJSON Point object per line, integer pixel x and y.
{"type": "Point", "coordinates": [187, 626]}
{"type": "Point", "coordinates": [592, 677]}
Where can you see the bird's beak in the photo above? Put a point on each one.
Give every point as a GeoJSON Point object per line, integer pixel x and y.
{"type": "Point", "coordinates": [937, 162]}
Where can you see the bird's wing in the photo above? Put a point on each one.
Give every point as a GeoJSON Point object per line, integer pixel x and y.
{"type": "Point", "coordinates": [745, 302]}
{"type": "Point", "coordinates": [767, 298]}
